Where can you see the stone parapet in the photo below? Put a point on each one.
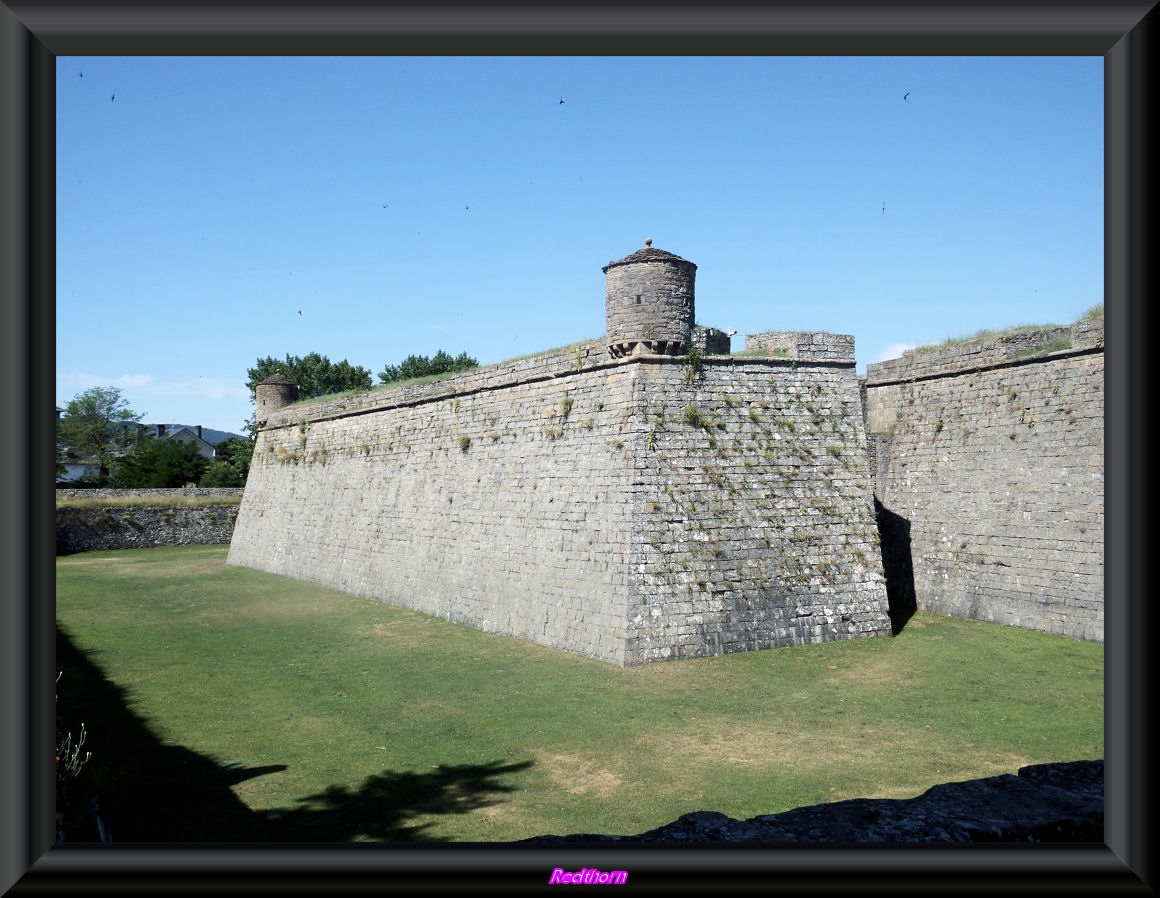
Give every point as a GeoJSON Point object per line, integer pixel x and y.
{"type": "Point", "coordinates": [803, 345]}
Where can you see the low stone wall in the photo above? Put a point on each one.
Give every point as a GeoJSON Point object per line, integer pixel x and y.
{"type": "Point", "coordinates": [120, 525]}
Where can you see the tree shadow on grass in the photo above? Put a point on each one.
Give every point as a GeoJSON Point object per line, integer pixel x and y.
{"type": "Point", "coordinates": [381, 808]}
{"type": "Point", "coordinates": [148, 791]}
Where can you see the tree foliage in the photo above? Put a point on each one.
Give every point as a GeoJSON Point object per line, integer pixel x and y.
{"type": "Point", "coordinates": [421, 366]}
{"type": "Point", "coordinates": [236, 454]}
{"type": "Point", "coordinates": [220, 475]}
{"type": "Point", "coordinates": [158, 463]}
{"type": "Point", "coordinates": [315, 375]}
{"type": "Point", "coordinates": [96, 425]}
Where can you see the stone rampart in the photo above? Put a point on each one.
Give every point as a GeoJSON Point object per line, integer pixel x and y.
{"type": "Point", "coordinates": [988, 467]}
{"type": "Point", "coordinates": [126, 523]}
{"type": "Point", "coordinates": [629, 510]}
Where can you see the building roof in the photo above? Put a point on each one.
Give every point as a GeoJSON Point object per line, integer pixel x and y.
{"type": "Point", "coordinates": [648, 254]}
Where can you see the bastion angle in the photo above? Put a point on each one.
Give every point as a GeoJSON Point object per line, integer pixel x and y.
{"type": "Point", "coordinates": [650, 496]}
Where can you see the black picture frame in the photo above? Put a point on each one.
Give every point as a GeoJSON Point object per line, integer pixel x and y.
{"type": "Point", "coordinates": [34, 33]}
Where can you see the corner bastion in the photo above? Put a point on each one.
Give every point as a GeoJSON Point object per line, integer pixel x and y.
{"type": "Point", "coordinates": [632, 499]}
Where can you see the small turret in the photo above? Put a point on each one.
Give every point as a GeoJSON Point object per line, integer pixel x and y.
{"type": "Point", "coordinates": [649, 301]}
{"type": "Point", "coordinates": [275, 392]}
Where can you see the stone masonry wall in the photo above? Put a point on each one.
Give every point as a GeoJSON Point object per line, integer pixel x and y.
{"type": "Point", "coordinates": [803, 345]}
{"type": "Point", "coordinates": [630, 510]}
{"type": "Point", "coordinates": [130, 526]}
{"type": "Point", "coordinates": [989, 470]}
{"type": "Point", "coordinates": [501, 506]}
{"type": "Point", "coordinates": [754, 526]}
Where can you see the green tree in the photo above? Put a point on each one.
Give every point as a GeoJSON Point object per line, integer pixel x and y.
{"type": "Point", "coordinates": [96, 425]}
{"type": "Point", "coordinates": [315, 375]}
{"type": "Point", "coordinates": [158, 463]}
{"type": "Point", "coordinates": [61, 454]}
{"type": "Point", "coordinates": [421, 366]}
{"type": "Point", "coordinates": [220, 474]}
{"type": "Point", "coordinates": [236, 454]}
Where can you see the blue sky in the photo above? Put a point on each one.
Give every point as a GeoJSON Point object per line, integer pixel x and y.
{"type": "Point", "coordinates": [412, 204]}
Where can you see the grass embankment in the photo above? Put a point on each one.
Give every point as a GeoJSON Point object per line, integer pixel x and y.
{"type": "Point", "coordinates": [1096, 311]}
{"type": "Point", "coordinates": [225, 703]}
{"type": "Point", "coordinates": [174, 500]}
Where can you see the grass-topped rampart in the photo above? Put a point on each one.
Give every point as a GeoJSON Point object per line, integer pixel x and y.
{"type": "Point", "coordinates": [1050, 345]}
{"type": "Point", "coordinates": [146, 498]}
{"type": "Point", "coordinates": [444, 376]}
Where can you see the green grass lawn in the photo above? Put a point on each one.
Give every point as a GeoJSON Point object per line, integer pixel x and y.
{"type": "Point", "coordinates": [225, 704]}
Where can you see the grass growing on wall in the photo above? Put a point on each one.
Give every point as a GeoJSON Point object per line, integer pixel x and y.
{"type": "Point", "coordinates": [222, 703]}
{"type": "Point", "coordinates": [1096, 311]}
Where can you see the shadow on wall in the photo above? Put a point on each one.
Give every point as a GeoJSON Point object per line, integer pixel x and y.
{"type": "Point", "coordinates": [894, 533]}
{"type": "Point", "coordinates": [149, 791]}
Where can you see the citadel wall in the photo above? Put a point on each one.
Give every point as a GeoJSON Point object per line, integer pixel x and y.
{"type": "Point", "coordinates": [630, 510]}
{"type": "Point", "coordinates": [988, 467]}
{"type": "Point", "coordinates": [650, 496]}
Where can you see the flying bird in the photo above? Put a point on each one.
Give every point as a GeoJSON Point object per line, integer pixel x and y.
{"type": "Point", "coordinates": [82, 74]}
{"type": "Point", "coordinates": [299, 311]}
{"type": "Point", "coordinates": [112, 98]}
{"type": "Point", "coordinates": [883, 207]}
{"type": "Point", "coordinates": [561, 101]}
{"type": "Point", "coordinates": [905, 95]}
{"type": "Point", "coordinates": [465, 206]}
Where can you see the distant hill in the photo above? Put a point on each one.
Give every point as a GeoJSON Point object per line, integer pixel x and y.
{"type": "Point", "coordinates": [208, 434]}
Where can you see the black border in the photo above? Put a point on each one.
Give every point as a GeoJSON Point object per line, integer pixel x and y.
{"type": "Point", "coordinates": [34, 32]}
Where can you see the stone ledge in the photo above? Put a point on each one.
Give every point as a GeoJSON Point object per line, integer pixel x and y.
{"type": "Point", "coordinates": [1043, 803]}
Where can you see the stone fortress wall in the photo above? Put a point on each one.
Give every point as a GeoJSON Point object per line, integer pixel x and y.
{"type": "Point", "coordinates": [642, 498]}
{"type": "Point", "coordinates": [989, 471]}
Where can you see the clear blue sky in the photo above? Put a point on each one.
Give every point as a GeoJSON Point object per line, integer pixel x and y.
{"type": "Point", "coordinates": [412, 204]}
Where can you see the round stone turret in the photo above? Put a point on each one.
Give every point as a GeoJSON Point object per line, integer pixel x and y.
{"type": "Point", "coordinates": [275, 392]}
{"type": "Point", "coordinates": [649, 303]}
